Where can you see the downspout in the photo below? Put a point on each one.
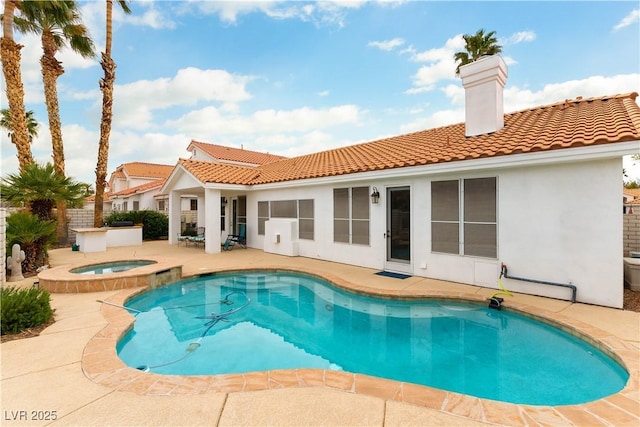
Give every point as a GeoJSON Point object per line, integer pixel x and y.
{"type": "Point", "coordinates": [574, 289]}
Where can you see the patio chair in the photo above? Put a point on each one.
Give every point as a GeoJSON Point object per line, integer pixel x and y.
{"type": "Point", "coordinates": [182, 238]}
{"type": "Point", "coordinates": [197, 239]}
{"type": "Point", "coordinates": [239, 239]}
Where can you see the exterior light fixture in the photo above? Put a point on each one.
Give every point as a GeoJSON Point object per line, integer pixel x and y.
{"type": "Point", "coordinates": [375, 196]}
{"type": "Point", "coordinates": [223, 201]}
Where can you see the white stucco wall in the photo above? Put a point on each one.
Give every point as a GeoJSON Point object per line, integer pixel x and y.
{"type": "Point", "coordinates": [549, 228]}
{"type": "Point", "coordinates": [552, 232]}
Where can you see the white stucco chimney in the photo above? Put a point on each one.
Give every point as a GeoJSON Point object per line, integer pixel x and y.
{"type": "Point", "coordinates": [483, 81]}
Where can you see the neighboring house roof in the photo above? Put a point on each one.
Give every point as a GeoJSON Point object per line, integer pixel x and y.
{"type": "Point", "coordinates": [634, 193]}
{"type": "Point", "coordinates": [568, 124]}
{"type": "Point", "coordinates": [106, 197]}
{"type": "Point", "coordinates": [142, 170]}
{"type": "Point", "coordinates": [235, 154]}
{"type": "Point", "coordinates": [140, 188]}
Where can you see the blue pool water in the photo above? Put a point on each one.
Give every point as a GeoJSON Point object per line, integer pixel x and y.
{"type": "Point", "coordinates": [261, 321]}
{"type": "Point", "coordinates": [110, 267]}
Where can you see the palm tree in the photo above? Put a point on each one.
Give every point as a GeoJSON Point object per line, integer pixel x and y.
{"type": "Point", "coordinates": [476, 46]}
{"type": "Point", "coordinates": [106, 86]}
{"type": "Point", "coordinates": [39, 187]}
{"type": "Point", "coordinates": [10, 56]}
{"type": "Point", "coordinates": [7, 124]}
{"type": "Point", "coordinates": [59, 24]}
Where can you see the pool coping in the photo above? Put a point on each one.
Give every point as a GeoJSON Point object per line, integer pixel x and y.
{"type": "Point", "coordinates": [101, 364]}
{"type": "Point", "coordinates": [61, 279]}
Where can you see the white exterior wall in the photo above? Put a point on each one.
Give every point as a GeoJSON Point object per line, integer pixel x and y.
{"type": "Point", "coordinates": [547, 233]}
{"type": "Point", "coordinates": [544, 231]}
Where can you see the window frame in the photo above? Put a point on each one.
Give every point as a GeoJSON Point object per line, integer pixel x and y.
{"type": "Point", "coordinates": [473, 212]}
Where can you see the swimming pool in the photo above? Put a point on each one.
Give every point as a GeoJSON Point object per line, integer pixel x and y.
{"type": "Point", "coordinates": [111, 267]}
{"type": "Point", "coordinates": [293, 321]}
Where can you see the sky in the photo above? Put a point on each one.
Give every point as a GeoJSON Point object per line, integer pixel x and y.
{"type": "Point", "coordinates": [296, 77]}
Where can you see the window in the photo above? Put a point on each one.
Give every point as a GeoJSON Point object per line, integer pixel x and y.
{"type": "Point", "coordinates": [161, 205]}
{"type": "Point", "coordinates": [445, 217]}
{"type": "Point", "coordinates": [263, 216]}
{"type": "Point", "coordinates": [351, 215]}
{"type": "Point", "coordinates": [136, 206]}
{"type": "Point", "coordinates": [194, 204]}
{"type": "Point", "coordinates": [299, 209]}
{"type": "Point", "coordinates": [463, 217]}
{"type": "Point", "coordinates": [124, 206]}
{"type": "Point", "coordinates": [341, 215]}
{"type": "Point", "coordinates": [305, 222]}
{"type": "Point", "coordinates": [284, 209]}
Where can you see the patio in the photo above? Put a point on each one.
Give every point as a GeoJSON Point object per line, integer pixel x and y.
{"type": "Point", "coordinates": [45, 373]}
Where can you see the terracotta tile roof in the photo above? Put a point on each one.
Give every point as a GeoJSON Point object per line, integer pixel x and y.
{"type": "Point", "coordinates": [219, 172]}
{"type": "Point", "coordinates": [106, 197]}
{"type": "Point", "coordinates": [144, 170]}
{"type": "Point", "coordinates": [635, 193]}
{"type": "Point", "coordinates": [236, 154]}
{"type": "Point", "coordinates": [568, 124]}
{"type": "Point", "coordinates": [140, 188]}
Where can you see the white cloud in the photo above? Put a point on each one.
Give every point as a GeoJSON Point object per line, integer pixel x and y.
{"type": "Point", "coordinates": [441, 65]}
{"type": "Point", "coordinates": [137, 101]}
{"type": "Point", "coordinates": [212, 121]}
{"type": "Point", "coordinates": [630, 19]}
{"type": "Point", "coordinates": [519, 37]}
{"type": "Point", "coordinates": [324, 13]}
{"type": "Point", "coordinates": [387, 45]}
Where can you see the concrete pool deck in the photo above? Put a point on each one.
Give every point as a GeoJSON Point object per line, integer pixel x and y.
{"type": "Point", "coordinates": [51, 372]}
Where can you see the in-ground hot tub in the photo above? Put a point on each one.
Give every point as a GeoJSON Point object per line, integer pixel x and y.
{"type": "Point", "coordinates": [78, 278]}
{"type": "Point", "coordinates": [111, 267]}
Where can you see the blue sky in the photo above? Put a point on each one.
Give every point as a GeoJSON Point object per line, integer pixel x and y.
{"type": "Point", "coordinates": [294, 77]}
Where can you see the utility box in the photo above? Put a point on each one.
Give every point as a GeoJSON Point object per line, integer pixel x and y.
{"type": "Point", "coordinates": [281, 236]}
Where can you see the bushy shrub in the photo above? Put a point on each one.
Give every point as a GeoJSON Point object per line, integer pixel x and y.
{"type": "Point", "coordinates": [33, 235]}
{"type": "Point", "coordinates": [23, 308]}
{"type": "Point", "coordinates": [154, 224]}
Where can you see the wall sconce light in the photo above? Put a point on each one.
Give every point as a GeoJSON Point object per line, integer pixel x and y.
{"type": "Point", "coordinates": [223, 201]}
{"type": "Point", "coordinates": [375, 196]}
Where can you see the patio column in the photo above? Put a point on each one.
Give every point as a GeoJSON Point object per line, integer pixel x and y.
{"type": "Point", "coordinates": [212, 220]}
{"type": "Point", "coordinates": [174, 217]}
{"type": "Point", "coordinates": [201, 212]}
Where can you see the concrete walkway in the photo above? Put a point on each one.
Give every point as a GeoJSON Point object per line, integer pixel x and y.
{"type": "Point", "coordinates": [43, 382]}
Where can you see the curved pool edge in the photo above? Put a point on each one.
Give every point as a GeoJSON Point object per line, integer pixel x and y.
{"type": "Point", "coordinates": [101, 364]}
{"type": "Point", "coordinates": [60, 279]}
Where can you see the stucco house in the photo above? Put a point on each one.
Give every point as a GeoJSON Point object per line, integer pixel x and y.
{"type": "Point", "coordinates": [451, 203]}
{"type": "Point", "coordinates": [132, 186]}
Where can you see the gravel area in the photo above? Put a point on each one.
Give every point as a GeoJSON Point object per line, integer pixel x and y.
{"type": "Point", "coordinates": [631, 300]}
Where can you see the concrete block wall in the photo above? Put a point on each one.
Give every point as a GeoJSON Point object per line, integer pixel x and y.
{"type": "Point", "coordinates": [631, 233]}
{"type": "Point", "coordinates": [81, 218]}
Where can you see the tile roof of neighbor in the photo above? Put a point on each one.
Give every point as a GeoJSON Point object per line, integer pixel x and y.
{"type": "Point", "coordinates": [140, 188]}
{"type": "Point", "coordinates": [237, 154]}
{"type": "Point", "coordinates": [145, 170]}
{"type": "Point", "coordinates": [567, 124]}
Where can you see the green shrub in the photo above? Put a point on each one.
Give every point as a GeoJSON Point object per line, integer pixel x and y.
{"type": "Point", "coordinates": [34, 237]}
{"type": "Point", "coordinates": [23, 308]}
{"type": "Point", "coordinates": [154, 224]}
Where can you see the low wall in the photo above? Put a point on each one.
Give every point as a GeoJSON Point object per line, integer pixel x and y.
{"type": "Point", "coordinates": [631, 233]}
